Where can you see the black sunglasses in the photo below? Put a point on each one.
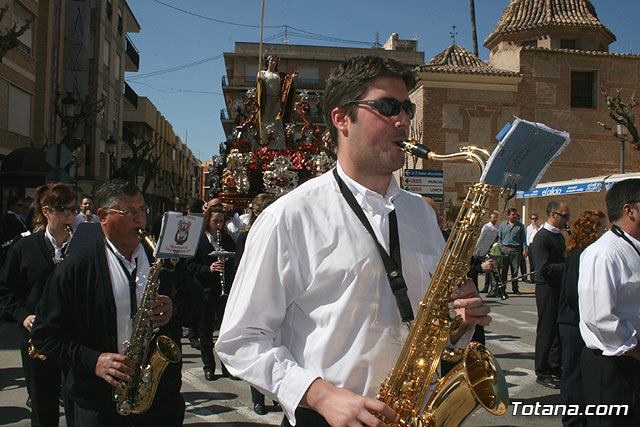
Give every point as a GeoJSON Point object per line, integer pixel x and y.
{"type": "Point", "coordinates": [565, 216]}
{"type": "Point", "coordinates": [389, 106]}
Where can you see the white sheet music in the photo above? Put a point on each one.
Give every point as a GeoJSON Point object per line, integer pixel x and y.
{"type": "Point", "coordinates": [523, 155]}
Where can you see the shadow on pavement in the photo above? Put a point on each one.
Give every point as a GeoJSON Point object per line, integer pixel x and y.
{"type": "Point", "coordinates": [196, 397]}
{"type": "Point", "coordinates": [11, 378]}
{"type": "Point", "coordinates": [210, 410]}
{"type": "Point", "coordinates": [13, 414]}
{"type": "Point", "coordinates": [504, 337]}
{"type": "Point", "coordinates": [530, 356]}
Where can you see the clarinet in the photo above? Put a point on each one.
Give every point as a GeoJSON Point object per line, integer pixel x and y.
{"type": "Point", "coordinates": [223, 283]}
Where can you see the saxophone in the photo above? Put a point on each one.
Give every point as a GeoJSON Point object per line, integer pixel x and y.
{"type": "Point", "coordinates": [478, 379]}
{"type": "Point", "coordinates": [136, 395]}
{"type": "Point", "coordinates": [31, 350]}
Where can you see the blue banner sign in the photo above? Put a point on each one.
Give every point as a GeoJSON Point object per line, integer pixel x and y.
{"type": "Point", "coordinates": [556, 190]}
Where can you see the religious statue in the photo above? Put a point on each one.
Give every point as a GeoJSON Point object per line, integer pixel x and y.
{"type": "Point", "coordinates": [276, 93]}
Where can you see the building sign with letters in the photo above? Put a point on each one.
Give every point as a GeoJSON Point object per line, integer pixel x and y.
{"type": "Point", "coordinates": [426, 182]}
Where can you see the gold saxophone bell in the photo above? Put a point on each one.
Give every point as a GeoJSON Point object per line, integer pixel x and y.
{"type": "Point", "coordinates": [477, 381]}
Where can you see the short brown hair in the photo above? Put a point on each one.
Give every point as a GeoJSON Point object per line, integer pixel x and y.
{"type": "Point", "coordinates": [351, 79]}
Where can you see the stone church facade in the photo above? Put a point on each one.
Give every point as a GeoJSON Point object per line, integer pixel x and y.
{"type": "Point", "coordinates": [549, 63]}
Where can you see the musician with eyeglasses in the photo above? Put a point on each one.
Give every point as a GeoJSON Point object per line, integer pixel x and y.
{"type": "Point", "coordinates": [86, 313]}
{"type": "Point", "coordinates": [29, 263]}
{"type": "Point", "coordinates": [312, 320]}
{"type": "Point", "coordinates": [548, 248]}
{"type": "Point", "coordinates": [609, 307]}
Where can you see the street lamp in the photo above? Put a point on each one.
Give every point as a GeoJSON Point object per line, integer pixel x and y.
{"type": "Point", "coordinates": [111, 149]}
{"type": "Point", "coordinates": [69, 106]}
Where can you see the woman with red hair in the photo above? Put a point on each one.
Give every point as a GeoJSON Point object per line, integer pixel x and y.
{"type": "Point", "coordinates": [589, 226]}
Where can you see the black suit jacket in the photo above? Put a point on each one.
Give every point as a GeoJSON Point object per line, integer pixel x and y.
{"type": "Point", "coordinates": [76, 322]}
{"type": "Point", "coordinates": [548, 251]}
{"type": "Point", "coordinates": [207, 281]}
{"type": "Point", "coordinates": [24, 274]}
{"type": "Point", "coordinates": [11, 227]}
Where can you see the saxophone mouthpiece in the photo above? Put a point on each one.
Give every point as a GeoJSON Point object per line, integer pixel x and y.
{"type": "Point", "coordinates": [414, 148]}
{"type": "Point", "coordinates": [568, 230]}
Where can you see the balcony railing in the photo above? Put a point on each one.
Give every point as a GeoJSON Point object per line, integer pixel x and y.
{"type": "Point", "coordinates": [132, 54]}
{"type": "Point", "coordinates": [130, 95]}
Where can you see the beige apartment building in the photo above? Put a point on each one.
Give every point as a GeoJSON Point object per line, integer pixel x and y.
{"type": "Point", "coordinates": [78, 51]}
{"type": "Point", "coordinates": [544, 67]}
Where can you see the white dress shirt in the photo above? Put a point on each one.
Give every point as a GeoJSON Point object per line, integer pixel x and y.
{"type": "Point", "coordinates": [531, 233]}
{"type": "Point", "coordinates": [120, 286]}
{"type": "Point", "coordinates": [58, 250]}
{"type": "Point", "coordinates": [81, 217]}
{"type": "Point", "coordinates": [609, 294]}
{"type": "Point", "coordinates": [311, 298]}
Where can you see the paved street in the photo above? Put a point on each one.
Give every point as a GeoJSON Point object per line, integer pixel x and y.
{"type": "Point", "coordinates": [227, 403]}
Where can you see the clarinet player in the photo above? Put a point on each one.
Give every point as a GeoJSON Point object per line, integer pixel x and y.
{"type": "Point", "coordinates": [22, 281]}
{"type": "Point", "coordinates": [212, 275]}
{"type": "Point", "coordinates": [311, 319]}
{"type": "Point", "coordinates": [86, 313]}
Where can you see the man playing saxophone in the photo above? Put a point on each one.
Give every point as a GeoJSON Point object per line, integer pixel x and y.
{"type": "Point", "coordinates": [87, 311]}
{"type": "Point", "coordinates": [311, 319]}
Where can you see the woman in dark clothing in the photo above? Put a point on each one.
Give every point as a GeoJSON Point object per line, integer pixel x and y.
{"type": "Point", "coordinates": [259, 203]}
{"type": "Point", "coordinates": [589, 226]}
{"type": "Point", "coordinates": [210, 273]}
{"type": "Point", "coordinates": [22, 280]}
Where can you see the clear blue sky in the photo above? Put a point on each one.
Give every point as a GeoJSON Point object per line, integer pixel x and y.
{"type": "Point", "coordinates": [191, 98]}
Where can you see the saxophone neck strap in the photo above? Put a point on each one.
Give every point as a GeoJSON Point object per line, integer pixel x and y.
{"type": "Point", "coordinates": [620, 233]}
{"type": "Point", "coordinates": [131, 278]}
{"type": "Point", "coordinates": [392, 262]}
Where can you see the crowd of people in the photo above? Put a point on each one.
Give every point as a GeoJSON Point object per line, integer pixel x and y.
{"type": "Point", "coordinates": [314, 306]}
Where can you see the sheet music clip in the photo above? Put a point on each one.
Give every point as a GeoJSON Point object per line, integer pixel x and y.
{"type": "Point", "coordinates": [509, 187]}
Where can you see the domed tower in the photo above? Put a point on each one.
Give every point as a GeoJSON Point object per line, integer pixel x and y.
{"type": "Point", "coordinates": [550, 24]}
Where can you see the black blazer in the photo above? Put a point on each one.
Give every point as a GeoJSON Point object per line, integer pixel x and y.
{"type": "Point", "coordinates": [24, 274]}
{"type": "Point", "coordinates": [198, 266]}
{"type": "Point", "coordinates": [547, 249]}
{"type": "Point", "coordinates": [76, 321]}
{"type": "Point", "coordinates": [11, 227]}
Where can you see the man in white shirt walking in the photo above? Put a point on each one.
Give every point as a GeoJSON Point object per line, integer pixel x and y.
{"type": "Point", "coordinates": [311, 319]}
{"type": "Point", "coordinates": [532, 229]}
{"type": "Point", "coordinates": [488, 233]}
{"type": "Point", "coordinates": [609, 301]}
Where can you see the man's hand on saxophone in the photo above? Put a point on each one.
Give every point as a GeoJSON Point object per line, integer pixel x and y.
{"type": "Point", "coordinates": [341, 407]}
{"type": "Point", "coordinates": [161, 311]}
{"type": "Point", "coordinates": [468, 304]}
{"type": "Point", "coordinates": [114, 368]}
